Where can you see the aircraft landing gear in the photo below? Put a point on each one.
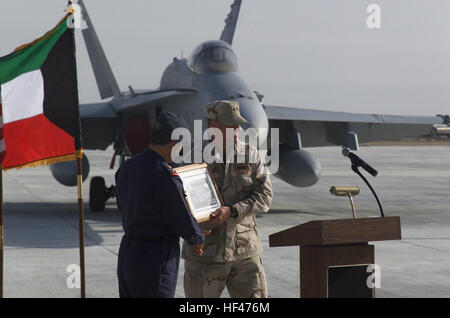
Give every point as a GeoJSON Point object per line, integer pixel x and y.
{"type": "Point", "coordinates": [99, 194]}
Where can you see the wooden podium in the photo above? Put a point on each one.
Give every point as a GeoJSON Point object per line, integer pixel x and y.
{"type": "Point", "coordinates": [335, 254]}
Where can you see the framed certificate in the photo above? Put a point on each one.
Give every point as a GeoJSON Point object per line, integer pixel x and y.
{"type": "Point", "coordinates": [202, 195]}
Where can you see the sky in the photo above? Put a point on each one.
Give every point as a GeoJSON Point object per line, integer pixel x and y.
{"type": "Point", "coordinates": [316, 54]}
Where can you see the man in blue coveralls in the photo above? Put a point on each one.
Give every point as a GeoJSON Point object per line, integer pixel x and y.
{"type": "Point", "coordinates": [150, 197]}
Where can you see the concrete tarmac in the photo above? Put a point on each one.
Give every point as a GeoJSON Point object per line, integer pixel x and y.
{"type": "Point", "coordinates": [41, 225]}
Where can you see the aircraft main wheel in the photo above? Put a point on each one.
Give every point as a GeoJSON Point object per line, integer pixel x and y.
{"type": "Point", "coordinates": [97, 194]}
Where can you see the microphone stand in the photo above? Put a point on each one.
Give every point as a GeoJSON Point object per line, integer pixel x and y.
{"type": "Point", "coordinates": [355, 169]}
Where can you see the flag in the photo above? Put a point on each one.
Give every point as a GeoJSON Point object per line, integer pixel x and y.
{"type": "Point", "coordinates": [41, 122]}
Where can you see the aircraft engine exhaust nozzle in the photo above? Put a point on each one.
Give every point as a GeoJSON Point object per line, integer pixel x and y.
{"type": "Point", "coordinates": [298, 167]}
{"type": "Point", "coordinates": [66, 172]}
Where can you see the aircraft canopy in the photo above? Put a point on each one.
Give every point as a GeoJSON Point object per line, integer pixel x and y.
{"type": "Point", "coordinates": [213, 56]}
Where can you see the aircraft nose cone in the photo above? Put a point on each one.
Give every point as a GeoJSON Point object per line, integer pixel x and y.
{"type": "Point", "coordinates": [257, 119]}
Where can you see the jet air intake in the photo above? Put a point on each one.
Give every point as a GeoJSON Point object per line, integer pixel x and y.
{"type": "Point", "coordinates": [253, 112]}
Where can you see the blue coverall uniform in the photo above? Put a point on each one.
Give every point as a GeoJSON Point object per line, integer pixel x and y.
{"type": "Point", "coordinates": [150, 197]}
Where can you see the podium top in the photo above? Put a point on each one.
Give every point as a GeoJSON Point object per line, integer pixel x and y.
{"type": "Point", "coordinates": [343, 231]}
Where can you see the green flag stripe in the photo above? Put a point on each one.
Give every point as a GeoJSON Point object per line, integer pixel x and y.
{"type": "Point", "coordinates": [31, 57]}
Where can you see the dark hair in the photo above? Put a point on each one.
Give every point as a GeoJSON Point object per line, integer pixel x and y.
{"type": "Point", "coordinates": [160, 135]}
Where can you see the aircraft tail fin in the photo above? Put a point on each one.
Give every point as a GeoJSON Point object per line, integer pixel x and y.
{"type": "Point", "coordinates": [230, 22]}
{"type": "Point", "coordinates": [106, 82]}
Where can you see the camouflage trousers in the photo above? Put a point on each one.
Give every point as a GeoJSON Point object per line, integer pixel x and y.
{"type": "Point", "coordinates": [243, 279]}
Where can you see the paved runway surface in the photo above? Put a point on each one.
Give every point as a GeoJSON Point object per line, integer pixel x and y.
{"type": "Point", "coordinates": [41, 227]}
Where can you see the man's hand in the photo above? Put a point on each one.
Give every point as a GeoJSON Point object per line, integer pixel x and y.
{"type": "Point", "coordinates": [198, 249]}
{"type": "Point", "coordinates": [221, 215]}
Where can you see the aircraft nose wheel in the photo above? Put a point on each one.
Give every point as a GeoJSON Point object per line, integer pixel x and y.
{"type": "Point", "coordinates": [99, 194]}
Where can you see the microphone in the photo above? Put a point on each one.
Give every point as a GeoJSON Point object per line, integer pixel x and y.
{"type": "Point", "coordinates": [358, 162]}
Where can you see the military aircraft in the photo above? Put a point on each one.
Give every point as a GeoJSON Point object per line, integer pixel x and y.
{"type": "Point", "coordinates": [211, 73]}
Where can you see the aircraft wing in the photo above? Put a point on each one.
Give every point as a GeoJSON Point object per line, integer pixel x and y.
{"type": "Point", "coordinates": [138, 100]}
{"type": "Point", "coordinates": [328, 128]}
{"type": "Point", "coordinates": [100, 121]}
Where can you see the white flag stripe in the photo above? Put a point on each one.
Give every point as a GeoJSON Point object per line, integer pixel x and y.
{"type": "Point", "coordinates": [23, 97]}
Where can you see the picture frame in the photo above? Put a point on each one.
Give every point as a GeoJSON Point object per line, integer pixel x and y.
{"type": "Point", "coordinates": [202, 194]}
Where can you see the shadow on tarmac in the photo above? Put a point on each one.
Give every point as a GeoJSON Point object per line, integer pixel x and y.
{"type": "Point", "coordinates": [55, 225]}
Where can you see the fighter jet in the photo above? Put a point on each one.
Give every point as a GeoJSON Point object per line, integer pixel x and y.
{"type": "Point", "coordinates": [211, 73]}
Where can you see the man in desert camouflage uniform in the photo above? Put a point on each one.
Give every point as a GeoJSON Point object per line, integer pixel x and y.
{"type": "Point", "coordinates": [232, 252]}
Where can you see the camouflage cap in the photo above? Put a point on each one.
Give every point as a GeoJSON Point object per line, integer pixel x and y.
{"type": "Point", "coordinates": [226, 112]}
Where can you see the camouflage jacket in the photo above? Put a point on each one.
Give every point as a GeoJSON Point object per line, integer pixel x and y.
{"type": "Point", "coordinates": [247, 188]}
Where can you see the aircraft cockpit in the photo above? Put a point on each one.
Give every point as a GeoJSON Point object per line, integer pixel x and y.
{"type": "Point", "coordinates": [213, 56]}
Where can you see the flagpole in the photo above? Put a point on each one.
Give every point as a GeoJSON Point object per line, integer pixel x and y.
{"type": "Point", "coordinates": [81, 223]}
{"type": "Point", "coordinates": [79, 155]}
